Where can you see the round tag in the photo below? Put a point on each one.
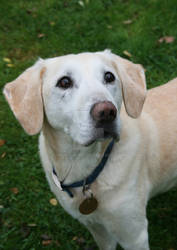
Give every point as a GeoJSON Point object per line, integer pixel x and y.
{"type": "Point", "coordinates": [88, 206]}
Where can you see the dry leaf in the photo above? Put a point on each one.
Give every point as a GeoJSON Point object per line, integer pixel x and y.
{"type": "Point", "coordinates": [53, 202]}
{"type": "Point", "coordinates": [3, 155]}
{"type": "Point", "coordinates": [14, 190]}
{"type": "Point", "coordinates": [109, 26]}
{"type": "Point", "coordinates": [166, 39]}
{"type": "Point", "coordinates": [79, 240]}
{"type": "Point", "coordinates": [169, 39]}
{"type": "Point", "coordinates": [127, 53]}
{"type": "Point", "coordinates": [41, 35]}
{"type": "Point", "coordinates": [2, 142]}
{"type": "Point", "coordinates": [52, 23]}
{"type": "Point", "coordinates": [81, 3]}
{"type": "Point", "coordinates": [7, 60]}
{"type": "Point", "coordinates": [10, 65]}
{"type": "Point", "coordinates": [46, 242]}
{"type": "Point", "coordinates": [45, 237]}
{"type": "Point", "coordinates": [161, 40]}
{"type": "Point", "coordinates": [32, 225]}
{"type": "Point", "coordinates": [127, 21]}
{"type": "Point", "coordinates": [75, 238]}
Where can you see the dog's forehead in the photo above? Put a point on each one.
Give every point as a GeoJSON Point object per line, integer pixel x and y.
{"type": "Point", "coordinates": [79, 62]}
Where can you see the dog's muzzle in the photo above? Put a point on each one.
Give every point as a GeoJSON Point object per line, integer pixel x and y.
{"type": "Point", "coordinates": [104, 117]}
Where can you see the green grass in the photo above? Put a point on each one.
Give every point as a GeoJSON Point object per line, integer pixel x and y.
{"type": "Point", "coordinates": [67, 27]}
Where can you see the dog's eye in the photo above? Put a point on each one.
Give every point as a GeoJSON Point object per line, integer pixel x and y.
{"type": "Point", "coordinates": [109, 77]}
{"type": "Point", "coordinates": [65, 82]}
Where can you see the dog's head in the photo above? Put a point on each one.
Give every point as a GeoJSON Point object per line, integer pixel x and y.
{"type": "Point", "coordinates": [80, 95]}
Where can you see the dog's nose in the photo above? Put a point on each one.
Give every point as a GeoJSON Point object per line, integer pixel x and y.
{"type": "Point", "coordinates": [103, 112]}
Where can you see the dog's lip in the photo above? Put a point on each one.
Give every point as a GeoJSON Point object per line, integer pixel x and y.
{"type": "Point", "coordinates": [89, 143]}
{"type": "Point", "coordinates": [108, 130]}
{"type": "Point", "coordinates": [112, 134]}
{"type": "Point", "coordinates": [106, 134]}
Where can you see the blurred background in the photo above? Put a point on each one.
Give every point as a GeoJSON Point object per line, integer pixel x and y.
{"type": "Point", "coordinates": [143, 31]}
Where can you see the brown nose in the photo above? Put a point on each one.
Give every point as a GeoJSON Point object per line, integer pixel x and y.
{"type": "Point", "coordinates": [103, 112]}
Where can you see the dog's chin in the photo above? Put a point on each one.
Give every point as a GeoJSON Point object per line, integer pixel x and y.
{"type": "Point", "coordinates": [102, 137]}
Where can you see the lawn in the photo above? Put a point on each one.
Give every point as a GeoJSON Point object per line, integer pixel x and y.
{"type": "Point", "coordinates": [144, 31]}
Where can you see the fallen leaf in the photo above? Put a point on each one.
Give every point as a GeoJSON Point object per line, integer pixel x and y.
{"type": "Point", "coordinates": [53, 202]}
{"type": "Point", "coordinates": [127, 21]}
{"type": "Point", "coordinates": [79, 240]}
{"type": "Point", "coordinates": [109, 27]}
{"type": "Point", "coordinates": [166, 39]}
{"type": "Point", "coordinates": [169, 39]}
{"type": "Point", "coordinates": [74, 238]}
{"type": "Point", "coordinates": [14, 190]}
{"type": "Point", "coordinates": [161, 40]}
{"type": "Point", "coordinates": [32, 225]}
{"type": "Point", "coordinates": [81, 3]}
{"type": "Point", "coordinates": [45, 237]}
{"type": "Point", "coordinates": [127, 53]}
{"type": "Point", "coordinates": [52, 23]}
{"type": "Point", "coordinates": [46, 242]}
{"type": "Point", "coordinates": [10, 65]}
{"type": "Point", "coordinates": [3, 155]}
{"type": "Point", "coordinates": [7, 60]}
{"type": "Point", "coordinates": [41, 35]}
{"type": "Point", "coordinates": [2, 142]}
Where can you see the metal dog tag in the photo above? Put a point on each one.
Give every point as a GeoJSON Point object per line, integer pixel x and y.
{"type": "Point", "coordinates": [88, 206]}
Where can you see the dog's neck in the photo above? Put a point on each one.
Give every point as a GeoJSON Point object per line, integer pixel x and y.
{"type": "Point", "coordinates": [72, 161]}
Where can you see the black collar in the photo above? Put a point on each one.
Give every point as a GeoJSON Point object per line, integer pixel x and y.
{"type": "Point", "coordinates": [91, 178]}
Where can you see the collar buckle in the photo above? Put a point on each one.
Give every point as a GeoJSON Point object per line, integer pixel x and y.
{"type": "Point", "coordinates": [56, 181]}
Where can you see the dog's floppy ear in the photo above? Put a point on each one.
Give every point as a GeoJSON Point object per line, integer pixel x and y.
{"type": "Point", "coordinates": [133, 85]}
{"type": "Point", "coordinates": [25, 98]}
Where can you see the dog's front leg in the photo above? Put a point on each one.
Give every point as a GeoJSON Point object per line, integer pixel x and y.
{"type": "Point", "coordinates": [132, 232]}
{"type": "Point", "coordinates": [104, 239]}
{"type": "Point", "coordinates": [139, 243]}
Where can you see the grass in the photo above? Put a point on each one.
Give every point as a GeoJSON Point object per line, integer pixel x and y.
{"type": "Point", "coordinates": [34, 28]}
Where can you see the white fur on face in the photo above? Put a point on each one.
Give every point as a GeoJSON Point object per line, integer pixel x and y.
{"type": "Point", "coordinates": [69, 109]}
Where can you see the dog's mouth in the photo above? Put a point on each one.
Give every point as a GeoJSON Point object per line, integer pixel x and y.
{"type": "Point", "coordinates": [102, 133]}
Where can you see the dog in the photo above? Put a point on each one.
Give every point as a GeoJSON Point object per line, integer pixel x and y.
{"type": "Point", "coordinates": [106, 144]}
